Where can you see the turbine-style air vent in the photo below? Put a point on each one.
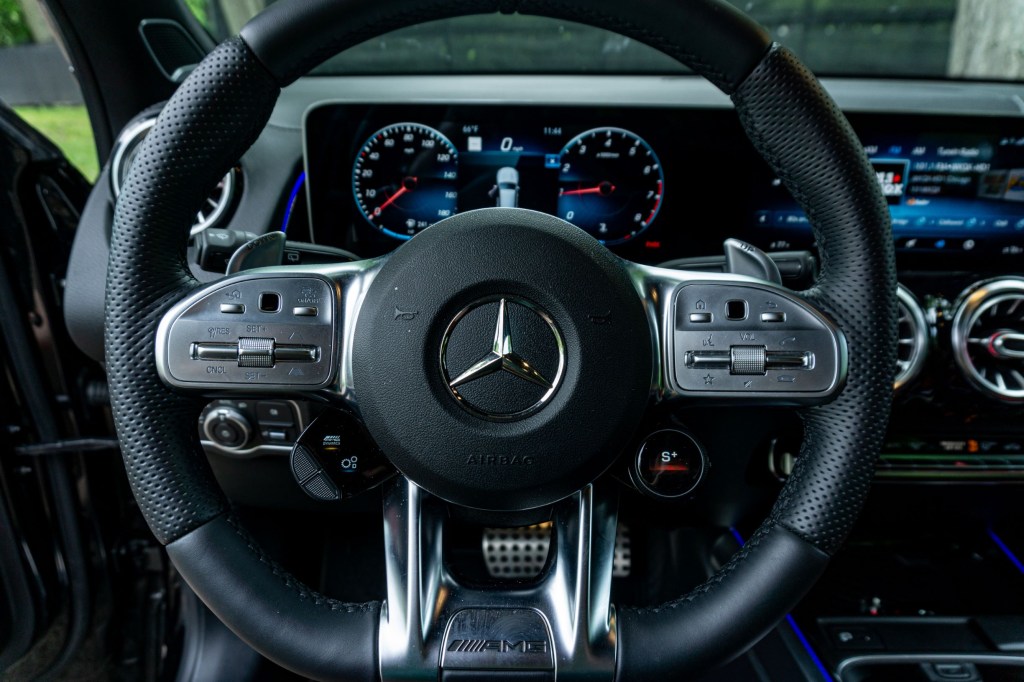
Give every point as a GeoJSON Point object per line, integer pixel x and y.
{"type": "Point", "coordinates": [988, 337]}
{"type": "Point", "coordinates": [913, 338]}
{"type": "Point", "coordinates": [214, 208]}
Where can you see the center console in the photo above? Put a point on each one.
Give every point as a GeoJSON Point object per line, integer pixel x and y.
{"type": "Point", "coordinates": [911, 605]}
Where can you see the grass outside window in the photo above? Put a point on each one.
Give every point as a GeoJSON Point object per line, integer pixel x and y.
{"type": "Point", "coordinates": [69, 128]}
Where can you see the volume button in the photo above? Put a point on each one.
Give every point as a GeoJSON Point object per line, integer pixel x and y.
{"type": "Point", "coordinates": [747, 360]}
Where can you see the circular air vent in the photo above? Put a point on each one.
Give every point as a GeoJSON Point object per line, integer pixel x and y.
{"type": "Point", "coordinates": [215, 206]}
{"type": "Point", "coordinates": [988, 337]}
{"type": "Point", "coordinates": [913, 338]}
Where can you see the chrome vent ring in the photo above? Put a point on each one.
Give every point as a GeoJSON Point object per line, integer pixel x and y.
{"type": "Point", "coordinates": [215, 206]}
{"type": "Point", "coordinates": [988, 337]}
{"type": "Point", "coordinates": [912, 338]}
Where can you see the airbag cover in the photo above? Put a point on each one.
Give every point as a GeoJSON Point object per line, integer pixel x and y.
{"type": "Point", "coordinates": [556, 393]}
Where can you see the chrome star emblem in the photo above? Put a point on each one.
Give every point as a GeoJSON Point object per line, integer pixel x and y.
{"type": "Point", "coordinates": [503, 357]}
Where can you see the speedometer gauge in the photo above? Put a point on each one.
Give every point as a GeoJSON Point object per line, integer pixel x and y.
{"type": "Point", "coordinates": [610, 184]}
{"type": "Point", "coordinates": [404, 179]}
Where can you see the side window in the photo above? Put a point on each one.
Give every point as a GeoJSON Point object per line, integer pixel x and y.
{"type": "Point", "coordinates": [36, 82]}
{"type": "Point", "coordinates": [223, 18]}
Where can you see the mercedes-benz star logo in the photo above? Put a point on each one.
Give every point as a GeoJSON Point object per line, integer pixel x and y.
{"type": "Point", "coordinates": [504, 358]}
{"type": "Point", "coordinates": [501, 358]}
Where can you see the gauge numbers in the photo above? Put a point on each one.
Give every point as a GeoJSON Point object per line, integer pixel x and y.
{"type": "Point", "coordinates": [404, 179]}
{"type": "Point", "coordinates": [610, 184]}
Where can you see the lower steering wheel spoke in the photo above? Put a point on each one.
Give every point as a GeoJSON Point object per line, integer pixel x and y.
{"type": "Point", "coordinates": [432, 621]}
{"type": "Point", "coordinates": [736, 339]}
{"type": "Point", "coordinates": [269, 331]}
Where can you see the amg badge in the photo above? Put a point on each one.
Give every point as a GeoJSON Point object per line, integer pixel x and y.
{"type": "Point", "coordinates": [498, 645]}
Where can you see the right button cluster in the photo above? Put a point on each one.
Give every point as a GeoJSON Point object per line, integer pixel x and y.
{"type": "Point", "coordinates": [745, 339]}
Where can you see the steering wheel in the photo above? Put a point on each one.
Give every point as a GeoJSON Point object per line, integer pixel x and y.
{"type": "Point", "coordinates": [473, 362]}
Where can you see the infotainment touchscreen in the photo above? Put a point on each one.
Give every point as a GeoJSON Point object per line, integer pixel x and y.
{"type": "Point", "coordinates": [946, 192]}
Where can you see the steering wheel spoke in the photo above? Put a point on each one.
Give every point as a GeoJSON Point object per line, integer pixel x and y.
{"type": "Point", "coordinates": [562, 621]}
{"type": "Point", "coordinates": [737, 339]}
{"type": "Point", "coordinates": [269, 331]}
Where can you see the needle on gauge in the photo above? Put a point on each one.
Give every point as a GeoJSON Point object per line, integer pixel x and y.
{"type": "Point", "coordinates": [405, 179]}
{"type": "Point", "coordinates": [610, 184]}
{"type": "Point", "coordinates": [408, 185]}
{"type": "Point", "coordinates": [604, 188]}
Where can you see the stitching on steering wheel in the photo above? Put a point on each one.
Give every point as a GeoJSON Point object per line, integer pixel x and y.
{"type": "Point", "coordinates": [147, 272]}
{"type": "Point", "coordinates": [291, 582]}
{"type": "Point", "coordinates": [719, 576]}
{"type": "Point", "coordinates": [789, 117]}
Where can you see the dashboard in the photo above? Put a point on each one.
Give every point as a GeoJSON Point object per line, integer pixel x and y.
{"type": "Point", "coordinates": [659, 170]}
{"type": "Point", "coordinates": [652, 183]}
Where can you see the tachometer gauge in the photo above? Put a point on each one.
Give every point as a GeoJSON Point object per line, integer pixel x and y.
{"type": "Point", "coordinates": [404, 179]}
{"type": "Point", "coordinates": [610, 184]}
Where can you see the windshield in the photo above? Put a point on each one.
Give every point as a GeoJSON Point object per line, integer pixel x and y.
{"type": "Point", "coordinates": [976, 39]}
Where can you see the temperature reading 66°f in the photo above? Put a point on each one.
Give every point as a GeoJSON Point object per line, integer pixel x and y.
{"type": "Point", "coordinates": [405, 179]}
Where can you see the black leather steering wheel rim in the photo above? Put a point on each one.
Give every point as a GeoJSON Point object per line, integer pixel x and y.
{"type": "Point", "coordinates": [218, 113]}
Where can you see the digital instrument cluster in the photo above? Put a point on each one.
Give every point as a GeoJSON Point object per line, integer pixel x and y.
{"type": "Point", "coordinates": [407, 172]}
{"type": "Point", "coordinates": [607, 181]}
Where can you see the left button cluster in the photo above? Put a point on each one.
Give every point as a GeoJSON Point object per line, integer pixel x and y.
{"type": "Point", "coordinates": [231, 335]}
{"type": "Point", "coordinates": [250, 428]}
